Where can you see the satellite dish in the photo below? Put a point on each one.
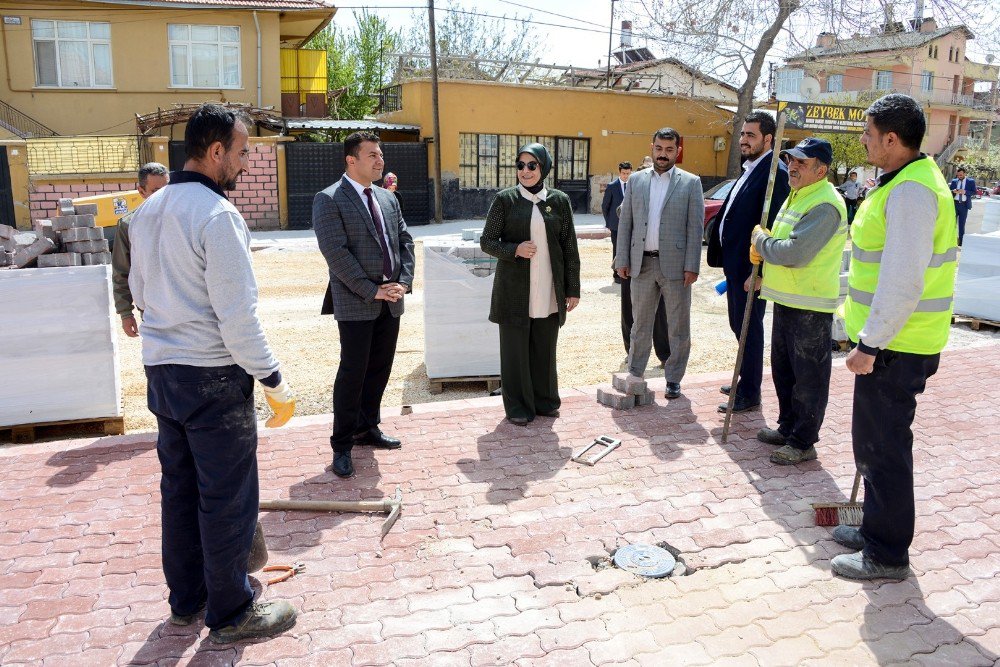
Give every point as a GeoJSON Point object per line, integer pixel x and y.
{"type": "Point", "coordinates": [990, 58]}
{"type": "Point", "coordinates": [809, 88]}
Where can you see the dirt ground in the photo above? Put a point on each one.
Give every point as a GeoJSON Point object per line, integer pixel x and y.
{"type": "Point", "coordinates": [292, 282]}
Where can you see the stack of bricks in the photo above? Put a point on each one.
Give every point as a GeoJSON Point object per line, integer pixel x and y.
{"type": "Point", "coordinates": [8, 246]}
{"type": "Point", "coordinates": [76, 238]}
{"type": "Point", "coordinates": [625, 392]}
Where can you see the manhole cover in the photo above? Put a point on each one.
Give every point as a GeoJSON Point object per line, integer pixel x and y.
{"type": "Point", "coordinates": [645, 560]}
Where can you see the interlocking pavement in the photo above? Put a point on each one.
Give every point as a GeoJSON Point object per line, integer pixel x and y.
{"type": "Point", "coordinates": [498, 558]}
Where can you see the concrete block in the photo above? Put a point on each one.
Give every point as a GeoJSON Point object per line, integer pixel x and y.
{"type": "Point", "coordinates": [7, 232]}
{"type": "Point", "coordinates": [24, 239]}
{"type": "Point", "coordinates": [87, 246]}
{"type": "Point", "coordinates": [628, 383]}
{"type": "Point", "coordinates": [68, 221]}
{"type": "Point", "coordinates": [44, 228]}
{"type": "Point", "coordinates": [86, 209]}
{"type": "Point", "coordinates": [27, 255]}
{"type": "Point", "coordinates": [59, 259]}
{"type": "Point", "coordinates": [8, 245]}
{"type": "Point", "coordinates": [644, 399]}
{"type": "Point", "coordinates": [99, 257]}
{"type": "Point", "coordinates": [74, 234]}
{"type": "Point", "coordinates": [66, 206]}
{"type": "Point", "coordinates": [6, 258]}
{"type": "Point", "coordinates": [615, 399]}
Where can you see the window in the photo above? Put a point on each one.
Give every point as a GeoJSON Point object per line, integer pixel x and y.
{"type": "Point", "coordinates": [883, 80]}
{"type": "Point", "coordinates": [789, 81]}
{"type": "Point", "coordinates": [835, 83]}
{"type": "Point", "coordinates": [204, 56]}
{"type": "Point", "coordinates": [927, 81]}
{"type": "Point", "coordinates": [487, 160]}
{"type": "Point", "coordinates": [72, 54]}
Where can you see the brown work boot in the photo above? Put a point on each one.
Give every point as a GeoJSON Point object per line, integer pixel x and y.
{"type": "Point", "coordinates": [789, 455]}
{"type": "Point", "coordinates": [261, 619]}
{"type": "Point", "coordinates": [258, 550]}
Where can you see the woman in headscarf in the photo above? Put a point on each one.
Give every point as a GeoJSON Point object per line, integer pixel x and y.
{"type": "Point", "coordinates": [530, 230]}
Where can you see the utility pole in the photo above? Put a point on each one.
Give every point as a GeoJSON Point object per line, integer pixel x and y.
{"type": "Point", "coordinates": [611, 29]}
{"type": "Point", "coordinates": [438, 185]}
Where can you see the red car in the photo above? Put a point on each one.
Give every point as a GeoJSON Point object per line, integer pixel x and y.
{"type": "Point", "coordinates": [713, 204]}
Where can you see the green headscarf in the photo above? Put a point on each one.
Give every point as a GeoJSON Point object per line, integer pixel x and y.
{"type": "Point", "coordinates": [544, 158]}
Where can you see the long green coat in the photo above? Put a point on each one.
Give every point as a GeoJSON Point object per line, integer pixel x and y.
{"type": "Point", "coordinates": [508, 223]}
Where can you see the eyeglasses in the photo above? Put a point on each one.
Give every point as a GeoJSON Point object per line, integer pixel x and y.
{"type": "Point", "coordinates": [530, 165]}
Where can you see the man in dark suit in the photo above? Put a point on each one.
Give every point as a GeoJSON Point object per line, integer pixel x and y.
{"type": "Point", "coordinates": [964, 190]}
{"type": "Point", "coordinates": [363, 237]}
{"type": "Point", "coordinates": [728, 244]}
{"type": "Point", "coordinates": [614, 195]}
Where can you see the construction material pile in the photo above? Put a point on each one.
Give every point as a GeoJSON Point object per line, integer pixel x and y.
{"type": "Point", "coordinates": [977, 288]}
{"type": "Point", "coordinates": [625, 392]}
{"type": "Point", "coordinates": [70, 239]}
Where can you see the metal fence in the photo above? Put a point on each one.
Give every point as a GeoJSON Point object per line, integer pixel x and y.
{"type": "Point", "coordinates": [85, 155]}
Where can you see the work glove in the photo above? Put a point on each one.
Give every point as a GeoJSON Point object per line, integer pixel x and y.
{"type": "Point", "coordinates": [758, 231]}
{"type": "Point", "coordinates": [282, 403]}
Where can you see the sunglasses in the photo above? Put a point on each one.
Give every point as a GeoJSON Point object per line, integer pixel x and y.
{"type": "Point", "coordinates": [530, 165]}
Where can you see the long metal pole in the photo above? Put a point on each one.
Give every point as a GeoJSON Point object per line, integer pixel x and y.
{"type": "Point", "coordinates": [754, 272]}
{"type": "Point", "coordinates": [438, 185]}
{"type": "Point", "coordinates": [611, 29]}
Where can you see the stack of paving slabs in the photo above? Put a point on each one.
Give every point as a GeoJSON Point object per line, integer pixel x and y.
{"type": "Point", "coordinates": [80, 241]}
{"type": "Point", "coordinates": [7, 245]}
{"type": "Point", "coordinates": [625, 392]}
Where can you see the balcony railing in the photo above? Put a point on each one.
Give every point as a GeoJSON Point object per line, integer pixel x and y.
{"type": "Point", "coordinates": [942, 97]}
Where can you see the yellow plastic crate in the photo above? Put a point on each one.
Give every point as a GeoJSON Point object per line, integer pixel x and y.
{"type": "Point", "coordinates": [112, 205]}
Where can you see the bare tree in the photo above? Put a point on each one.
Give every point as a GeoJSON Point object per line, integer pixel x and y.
{"type": "Point", "coordinates": [731, 40]}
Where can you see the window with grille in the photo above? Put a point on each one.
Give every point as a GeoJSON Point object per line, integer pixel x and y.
{"type": "Point", "coordinates": [835, 83]}
{"type": "Point", "coordinates": [487, 160]}
{"type": "Point", "coordinates": [72, 54]}
{"type": "Point", "coordinates": [204, 56]}
{"type": "Point", "coordinates": [788, 82]}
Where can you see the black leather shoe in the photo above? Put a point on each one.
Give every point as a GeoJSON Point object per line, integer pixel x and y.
{"type": "Point", "coordinates": [518, 421]}
{"type": "Point", "coordinates": [343, 466]}
{"type": "Point", "coordinates": [673, 390]}
{"type": "Point", "coordinates": [726, 388]}
{"type": "Point", "coordinates": [550, 413]}
{"type": "Point", "coordinates": [377, 439]}
{"type": "Point", "coordinates": [741, 405]}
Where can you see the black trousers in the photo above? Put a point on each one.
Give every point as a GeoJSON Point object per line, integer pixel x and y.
{"type": "Point", "coordinates": [661, 344]}
{"type": "Point", "coordinates": [367, 349]}
{"type": "Point", "coordinates": [852, 208]}
{"type": "Point", "coordinates": [528, 375]}
{"type": "Point", "coordinates": [961, 214]}
{"type": "Point", "coordinates": [885, 402]}
{"type": "Point", "coordinates": [801, 359]}
{"type": "Point", "coordinates": [752, 368]}
{"type": "Point", "coordinates": [207, 446]}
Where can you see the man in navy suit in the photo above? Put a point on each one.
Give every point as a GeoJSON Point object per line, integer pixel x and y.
{"type": "Point", "coordinates": [613, 197]}
{"type": "Point", "coordinates": [964, 189]}
{"type": "Point", "coordinates": [727, 247]}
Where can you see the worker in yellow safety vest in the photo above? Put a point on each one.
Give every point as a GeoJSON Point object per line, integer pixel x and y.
{"type": "Point", "coordinates": [803, 254]}
{"type": "Point", "coordinates": [898, 312]}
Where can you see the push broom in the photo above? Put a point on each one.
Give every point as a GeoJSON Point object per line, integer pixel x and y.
{"type": "Point", "coordinates": [841, 514]}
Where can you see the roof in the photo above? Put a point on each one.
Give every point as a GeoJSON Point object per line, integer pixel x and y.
{"type": "Point", "coordinates": [276, 5]}
{"type": "Point", "coordinates": [333, 124]}
{"type": "Point", "coordinates": [643, 65]}
{"type": "Point", "coordinates": [880, 42]}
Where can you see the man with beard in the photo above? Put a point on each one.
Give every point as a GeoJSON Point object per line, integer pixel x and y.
{"type": "Point", "coordinates": [727, 248]}
{"type": "Point", "coordinates": [659, 247]}
{"type": "Point", "coordinates": [203, 346]}
{"type": "Point", "coordinates": [898, 313]}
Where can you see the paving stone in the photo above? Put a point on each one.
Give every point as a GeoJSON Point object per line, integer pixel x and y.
{"type": "Point", "coordinates": [77, 234]}
{"type": "Point", "coordinates": [627, 383]}
{"type": "Point", "coordinates": [97, 246]}
{"type": "Point", "coordinates": [59, 259]}
{"type": "Point", "coordinates": [86, 209]}
{"type": "Point", "coordinates": [615, 399]}
{"type": "Point", "coordinates": [28, 255]}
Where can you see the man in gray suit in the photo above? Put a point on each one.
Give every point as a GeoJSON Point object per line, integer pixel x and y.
{"type": "Point", "coordinates": [363, 237]}
{"type": "Point", "coordinates": [659, 247]}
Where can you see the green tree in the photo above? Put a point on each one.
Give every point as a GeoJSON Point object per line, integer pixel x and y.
{"type": "Point", "coordinates": [848, 154]}
{"type": "Point", "coordinates": [357, 64]}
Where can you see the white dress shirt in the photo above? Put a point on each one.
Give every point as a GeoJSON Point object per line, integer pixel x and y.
{"type": "Point", "coordinates": [748, 167]}
{"type": "Point", "coordinates": [385, 232]}
{"type": "Point", "coordinates": [659, 184]}
{"type": "Point", "coordinates": [960, 186]}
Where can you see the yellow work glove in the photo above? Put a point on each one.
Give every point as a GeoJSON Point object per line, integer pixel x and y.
{"type": "Point", "coordinates": [282, 403]}
{"type": "Point", "coordinates": [758, 231]}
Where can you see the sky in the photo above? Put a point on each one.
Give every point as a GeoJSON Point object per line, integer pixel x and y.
{"type": "Point", "coordinates": [586, 45]}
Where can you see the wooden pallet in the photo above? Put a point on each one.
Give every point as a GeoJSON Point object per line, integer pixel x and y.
{"type": "Point", "coordinates": [492, 382]}
{"type": "Point", "coordinates": [28, 433]}
{"type": "Point", "coordinates": [974, 322]}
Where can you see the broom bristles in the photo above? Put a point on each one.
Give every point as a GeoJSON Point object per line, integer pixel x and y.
{"type": "Point", "coordinates": [838, 514]}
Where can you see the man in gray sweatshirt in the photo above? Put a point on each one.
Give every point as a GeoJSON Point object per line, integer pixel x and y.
{"type": "Point", "coordinates": [203, 347]}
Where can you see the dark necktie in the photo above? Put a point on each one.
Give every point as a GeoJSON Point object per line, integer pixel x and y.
{"type": "Point", "coordinates": [377, 219]}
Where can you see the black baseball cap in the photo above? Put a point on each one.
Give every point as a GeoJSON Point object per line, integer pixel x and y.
{"type": "Point", "coordinates": [812, 147]}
